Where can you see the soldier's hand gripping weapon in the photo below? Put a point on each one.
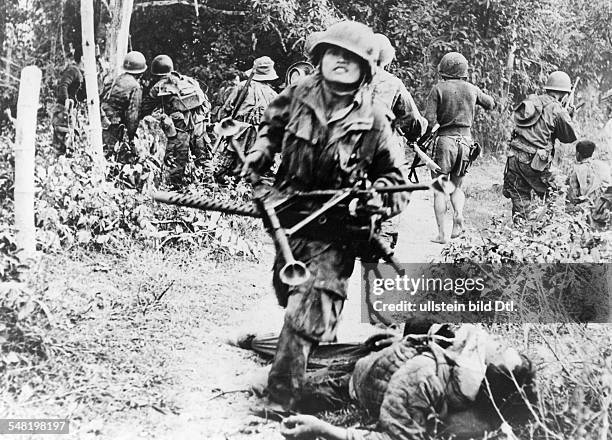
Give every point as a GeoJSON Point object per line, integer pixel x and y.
{"type": "Point", "coordinates": [345, 212]}
{"type": "Point", "coordinates": [421, 158]}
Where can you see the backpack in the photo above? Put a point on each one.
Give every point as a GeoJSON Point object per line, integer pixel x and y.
{"type": "Point", "coordinates": [184, 94]}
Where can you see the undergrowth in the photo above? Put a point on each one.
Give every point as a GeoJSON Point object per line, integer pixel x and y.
{"type": "Point", "coordinates": [574, 361]}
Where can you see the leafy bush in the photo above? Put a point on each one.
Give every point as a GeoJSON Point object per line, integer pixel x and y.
{"type": "Point", "coordinates": [74, 209]}
{"type": "Point", "coordinates": [550, 235]}
{"type": "Point", "coordinates": [574, 361]}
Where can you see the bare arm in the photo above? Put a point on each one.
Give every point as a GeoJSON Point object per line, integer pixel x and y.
{"type": "Point", "coordinates": [484, 100]}
{"type": "Point", "coordinates": [409, 118]}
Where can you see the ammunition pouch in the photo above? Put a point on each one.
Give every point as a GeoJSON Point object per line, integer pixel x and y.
{"type": "Point", "coordinates": [541, 160]}
{"type": "Point", "coordinates": [467, 152]}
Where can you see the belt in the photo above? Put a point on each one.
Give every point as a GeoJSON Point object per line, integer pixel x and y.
{"type": "Point", "coordinates": [521, 145]}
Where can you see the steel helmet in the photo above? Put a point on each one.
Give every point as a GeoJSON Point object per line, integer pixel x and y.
{"type": "Point", "coordinates": [453, 65]}
{"type": "Point", "coordinates": [162, 65]}
{"type": "Point", "coordinates": [559, 81]}
{"type": "Point", "coordinates": [386, 50]}
{"type": "Point", "coordinates": [310, 41]}
{"type": "Point", "coordinates": [352, 36]}
{"type": "Point", "coordinates": [134, 62]}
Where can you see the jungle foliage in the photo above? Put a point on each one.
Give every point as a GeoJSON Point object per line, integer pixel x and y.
{"type": "Point", "coordinates": [512, 44]}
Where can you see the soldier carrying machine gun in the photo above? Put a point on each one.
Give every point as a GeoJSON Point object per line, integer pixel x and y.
{"type": "Point", "coordinates": [345, 212]}
{"type": "Point", "coordinates": [337, 151]}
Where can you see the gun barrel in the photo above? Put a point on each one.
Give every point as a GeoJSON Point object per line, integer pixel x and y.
{"type": "Point", "coordinates": [409, 187]}
{"type": "Point", "coordinates": [192, 201]}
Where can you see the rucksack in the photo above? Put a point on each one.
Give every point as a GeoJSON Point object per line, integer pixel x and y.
{"type": "Point", "coordinates": [184, 94]}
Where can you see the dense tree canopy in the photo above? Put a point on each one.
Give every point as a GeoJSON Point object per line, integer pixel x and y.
{"type": "Point", "coordinates": [512, 44]}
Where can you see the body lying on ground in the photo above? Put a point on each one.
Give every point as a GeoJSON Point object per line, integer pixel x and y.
{"type": "Point", "coordinates": [435, 383]}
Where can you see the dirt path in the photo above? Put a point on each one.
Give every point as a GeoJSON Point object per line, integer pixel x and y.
{"type": "Point", "coordinates": [205, 366]}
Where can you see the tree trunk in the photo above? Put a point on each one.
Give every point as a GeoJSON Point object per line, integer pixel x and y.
{"type": "Point", "coordinates": [117, 34]}
{"type": "Point", "coordinates": [91, 85]}
{"type": "Point", "coordinates": [25, 139]}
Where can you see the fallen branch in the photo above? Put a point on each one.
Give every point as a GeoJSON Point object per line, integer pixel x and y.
{"type": "Point", "coordinates": [160, 296]}
{"type": "Point", "coordinates": [223, 393]}
{"type": "Point", "coordinates": [154, 3]}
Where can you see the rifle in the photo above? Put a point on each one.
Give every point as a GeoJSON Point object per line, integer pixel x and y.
{"type": "Point", "coordinates": [230, 119]}
{"type": "Point", "coordinates": [425, 142]}
{"type": "Point", "coordinates": [570, 98]}
{"type": "Point", "coordinates": [69, 107]}
{"type": "Point", "coordinates": [362, 220]}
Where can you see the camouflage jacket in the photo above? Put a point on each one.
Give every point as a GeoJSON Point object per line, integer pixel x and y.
{"type": "Point", "coordinates": [392, 92]}
{"type": "Point", "coordinates": [180, 97]}
{"type": "Point", "coordinates": [317, 153]}
{"type": "Point", "coordinates": [540, 120]}
{"type": "Point", "coordinates": [258, 97]}
{"type": "Point", "coordinates": [121, 101]}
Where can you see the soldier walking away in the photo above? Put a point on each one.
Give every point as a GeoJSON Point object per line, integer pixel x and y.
{"type": "Point", "coordinates": [70, 90]}
{"type": "Point", "coordinates": [391, 91]}
{"type": "Point", "coordinates": [539, 121]}
{"type": "Point", "coordinates": [330, 133]}
{"type": "Point", "coordinates": [452, 104]}
{"type": "Point", "coordinates": [121, 100]}
{"type": "Point", "coordinates": [257, 94]}
{"type": "Point", "coordinates": [181, 98]}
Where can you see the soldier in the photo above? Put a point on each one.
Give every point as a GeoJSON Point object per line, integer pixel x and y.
{"type": "Point", "coordinates": [121, 100]}
{"type": "Point", "coordinates": [450, 383]}
{"type": "Point", "coordinates": [259, 94]}
{"type": "Point", "coordinates": [303, 68]}
{"type": "Point", "coordinates": [231, 79]}
{"type": "Point", "coordinates": [539, 121]}
{"type": "Point", "coordinates": [452, 104]}
{"type": "Point", "coordinates": [589, 178]}
{"type": "Point", "coordinates": [181, 98]}
{"type": "Point", "coordinates": [330, 133]}
{"type": "Point", "coordinates": [70, 90]}
{"type": "Point", "coordinates": [392, 92]}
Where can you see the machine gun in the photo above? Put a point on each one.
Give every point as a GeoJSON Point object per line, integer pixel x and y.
{"type": "Point", "coordinates": [421, 158]}
{"type": "Point", "coordinates": [344, 211]}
